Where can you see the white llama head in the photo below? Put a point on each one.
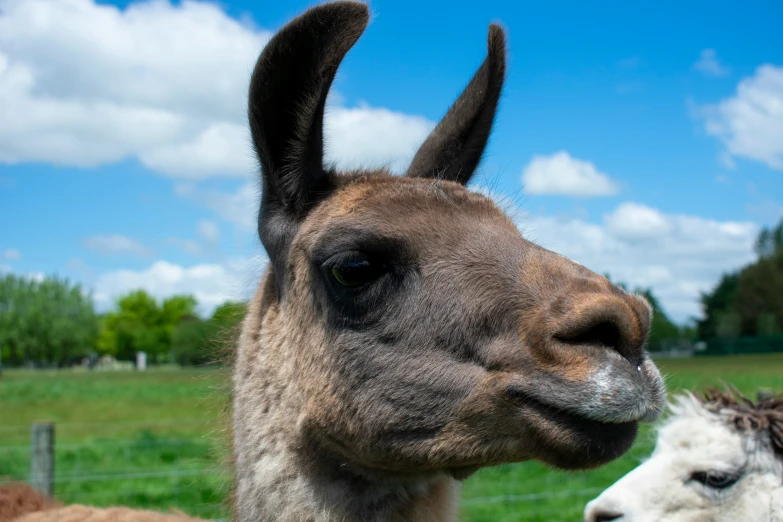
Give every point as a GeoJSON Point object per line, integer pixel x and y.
{"type": "Point", "coordinates": [717, 458]}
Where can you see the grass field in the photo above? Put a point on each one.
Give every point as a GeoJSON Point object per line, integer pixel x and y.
{"type": "Point", "coordinates": [154, 439]}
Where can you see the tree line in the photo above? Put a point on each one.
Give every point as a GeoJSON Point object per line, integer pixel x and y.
{"type": "Point", "coordinates": [53, 322]}
{"type": "Point", "coordinates": [748, 301]}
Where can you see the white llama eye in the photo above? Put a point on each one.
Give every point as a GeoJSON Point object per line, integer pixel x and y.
{"type": "Point", "coordinates": [715, 479]}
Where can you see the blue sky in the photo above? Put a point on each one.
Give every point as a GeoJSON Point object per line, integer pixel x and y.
{"type": "Point", "coordinates": [645, 141]}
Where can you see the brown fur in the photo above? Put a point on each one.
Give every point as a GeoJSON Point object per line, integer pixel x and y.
{"type": "Point", "coordinates": [17, 499]}
{"type": "Point", "coordinates": [77, 513]}
{"type": "Point", "coordinates": [459, 344]}
{"type": "Point", "coordinates": [763, 415]}
{"type": "Point", "coordinates": [19, 502]}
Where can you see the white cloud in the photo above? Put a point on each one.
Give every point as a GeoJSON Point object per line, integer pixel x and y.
{"type": "Point", "coordinates": [38, 277]}
{"type": "Point", "coordinates": [210, 284]}
{"type": "Point", "coordinates": [709, 65]}
{"type": "Point", "coordinates": [221, 148]}
{"type": "Point", "coordinates": [85, 84]}
{"type": "Point", "coordinates": [750, 124]}
{"type": "Point", "coordinates": [634, 221]}
{"type": "Point", "coordinates": [365, 136]}
{"type": "Point", "coordinates": [239, 208]}
{"type": "Point", "coordinates": [560, 174]}
{"type": "Point", "coordinates": [115, 244]}
{"type": "Point", "coordinates": [677, 255]}
{"type": "Point", "coordinates": [11, 254]}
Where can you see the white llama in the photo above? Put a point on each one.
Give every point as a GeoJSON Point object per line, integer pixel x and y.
{"type": "Point", "coordinates": [718, 458]}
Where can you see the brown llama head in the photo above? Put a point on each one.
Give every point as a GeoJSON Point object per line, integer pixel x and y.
{"type": "Point", "coordinates": [404, 324]}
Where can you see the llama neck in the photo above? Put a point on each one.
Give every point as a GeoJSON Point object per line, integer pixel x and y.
{"type": "Point", "coordinates": [279, 476]}
{"type": "Point", "coordinates": [284, 487]}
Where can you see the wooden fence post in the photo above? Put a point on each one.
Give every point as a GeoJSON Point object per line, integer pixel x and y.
{"type": "Point", "coordinates": [42, 457]}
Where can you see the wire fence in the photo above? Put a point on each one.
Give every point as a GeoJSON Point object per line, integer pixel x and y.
{"type": "Point", "coordinates": [156, 466]}
{"type": "Point", "coordinates": [161, 465]}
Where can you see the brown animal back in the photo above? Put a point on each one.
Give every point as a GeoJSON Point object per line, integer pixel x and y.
{"type": "Point", "coordinates": [78, 513]}
{"type": "Point", "coordinates": [18, 499]}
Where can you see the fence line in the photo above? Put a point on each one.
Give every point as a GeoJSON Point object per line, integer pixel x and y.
{"type": "Point", "coordinates": [123, 476]}
{"type": "Point", "coordinates": [531, 496]}
{"type": "Point", "coordinates": [101, 444]}
{"type": "Point", "coordinates": [190, 420]}
{"type": "Point", "coordinates": [155, 481]}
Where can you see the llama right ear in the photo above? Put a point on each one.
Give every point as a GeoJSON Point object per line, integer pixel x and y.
{"type": "Point", "coordinates": [454, 148]}
{"type": "Point", "coordinates": [286, 102]}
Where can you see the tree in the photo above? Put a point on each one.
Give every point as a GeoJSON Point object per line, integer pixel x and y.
{"type": "Point", "coordinates": [718, 307]}
{"type": "Point", "coordinates": [50, 321]}
{"type": "Point", "coordinates": [196, 341]}
{"type": "Point", "coordinates": [770, 241]}
{"type": "Point", "coordinates": [140, 324]}
{"type": "Point", "coordinates": [175, 308]}
{"type": "Point", "coordinates": [759, 298]}
{"type": "Point", "coordinates": [750, 301]}
{"type": "Point", "coordinates": [191, 340]}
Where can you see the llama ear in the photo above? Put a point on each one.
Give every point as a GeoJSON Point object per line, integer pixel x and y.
{"type": "Point", "coordinates": [454, 148]}
{"type": "Point", "coordinates": [286, 102]}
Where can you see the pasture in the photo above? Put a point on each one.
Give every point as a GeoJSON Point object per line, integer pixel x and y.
{"type": "Point", "coordinates": [156, 439]}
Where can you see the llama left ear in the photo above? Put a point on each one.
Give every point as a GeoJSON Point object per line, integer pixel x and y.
{"type": "Point", "coordinates": [286, 104]}
{"type": "Point", "coordinates": [455, 147]}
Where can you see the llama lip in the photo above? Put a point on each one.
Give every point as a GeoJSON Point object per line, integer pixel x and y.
{"type": "Point", "coordinates": [584, 443]}
{"type": "Point", "coordinates": [615, 394]}
{"type": "Point", "coordinates": [551, 411]}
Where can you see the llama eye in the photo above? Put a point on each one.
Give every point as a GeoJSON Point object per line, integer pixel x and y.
{"type": "Point", "coordinates": [354, 273]}
{"type": "Point", "coordinates": [714, 479]}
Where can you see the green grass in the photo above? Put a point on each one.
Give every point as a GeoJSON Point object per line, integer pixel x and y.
{"type": "Point", "coordinates": [149, 439]}
{"type": "Point", "coordinates": [154, 439]}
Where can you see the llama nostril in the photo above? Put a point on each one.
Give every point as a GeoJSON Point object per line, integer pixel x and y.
{"type": "Point", "coordinates": [605, 333]}
{"type": "Point", "coordinates": [605, 516]}
{"type": "Point", "coordinates": [600, 321]}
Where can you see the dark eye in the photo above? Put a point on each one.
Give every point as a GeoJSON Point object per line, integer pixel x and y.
{"type": "Point", "coordinates": [356, 272]}
{"type": "Point", "coordinates": [715, 479]}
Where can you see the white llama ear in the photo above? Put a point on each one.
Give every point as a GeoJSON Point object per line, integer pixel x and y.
{"type": "Point", "coordinates": [455, 147]}
{"type": "Point", "coordinates": [286, 102]}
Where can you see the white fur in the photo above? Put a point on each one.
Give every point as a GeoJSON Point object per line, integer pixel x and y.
{"type": "Point", "coordinates": [695, 440]}
{"type": "Point", "coordinates": [610, 400]}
